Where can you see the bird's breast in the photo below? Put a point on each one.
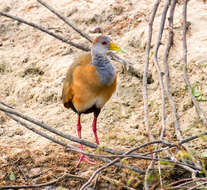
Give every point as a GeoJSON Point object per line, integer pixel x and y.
{"type": "Point", "coordinates": [106, 74]}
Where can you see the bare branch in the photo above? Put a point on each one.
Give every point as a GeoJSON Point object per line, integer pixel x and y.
{"type": "Point", "coordinates": [45, 30]}
{"type": "Point", "coordinates": [186, 79]}
{"type": "Point", "coordinates": [167, 75]}
{"type": "Point", "coordinates": [67, 175]}
{"type": "Point", "coordinates": [146, 67]}
{"type": "Point", "coordinates": [71, 147]}
{"type": "Point", "coordinates": [65, 20]}
{"type": "Point", "coordinates": [113, 181]}
{"type": "Point", "coordinates": [160, 75]}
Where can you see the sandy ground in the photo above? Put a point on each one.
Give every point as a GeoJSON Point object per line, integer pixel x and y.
{"type": "Point", "coordinates": [33, 66]}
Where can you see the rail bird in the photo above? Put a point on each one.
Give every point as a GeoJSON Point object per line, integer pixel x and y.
{"type": "Point", "coordinates": [90, 82]}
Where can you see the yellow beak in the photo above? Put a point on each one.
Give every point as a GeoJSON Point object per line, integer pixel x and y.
{"type": "Point", "coordinates": [114, 47]}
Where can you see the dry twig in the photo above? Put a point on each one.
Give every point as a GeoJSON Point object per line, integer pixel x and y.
{"type": "Point", "coordinates": [67, 175]}
{"type": "Point", "coordinates": [185, 75]}
{"type": "Point", "coordinates": [167, 75]}
{"type": "Point", "coordinates": [83, 34]}
{"type": "Point", "coordinates": [45, 30]}
{"type": "Point", "coordinates": [113, 181]}
{"type": "Point", "coordinates": [146, 68]}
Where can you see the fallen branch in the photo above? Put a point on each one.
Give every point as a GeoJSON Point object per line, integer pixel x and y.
{"type": "Point", "coordinates": [187, 181]}
{"type": "Point", "coordinates": [67, 175]}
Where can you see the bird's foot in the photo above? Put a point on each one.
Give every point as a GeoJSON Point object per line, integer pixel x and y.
{"type": "Point", "coordinates": [86, 159]}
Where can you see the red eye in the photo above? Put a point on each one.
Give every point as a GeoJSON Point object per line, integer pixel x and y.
{"type": "Point", "coordinates": [104, 43]}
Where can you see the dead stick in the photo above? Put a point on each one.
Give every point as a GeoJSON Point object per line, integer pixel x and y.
{"type": "Point", "coordinates": [146, 67]}
{"type": "Point", "coordinates": [186, 79]}
{"type": "Point", "coordinates": [160, 75]}
{"type": "Point", "coordinates": [167, 77]}
{"type": "Point", "coordinates": [116, 182]}
{"type": "Point", "coordinates": [65, 20]}
{"type": "Point", "coordinates": [167, 51]}
{"type": "Point", "coordinates": [43, 184]}
{"type": "Point", "coordinates": [145, 95]}
{"type": "Point", "coordinates": [45, 30]}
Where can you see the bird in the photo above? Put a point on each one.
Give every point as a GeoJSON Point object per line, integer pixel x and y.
{"type": "Point", "coordinates": [89, 83]}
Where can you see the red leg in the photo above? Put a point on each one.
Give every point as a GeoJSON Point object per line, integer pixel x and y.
{"type": "Point", "coordinates": [82, 157]}
{"type": "Point", "coordinates": [94, 130]}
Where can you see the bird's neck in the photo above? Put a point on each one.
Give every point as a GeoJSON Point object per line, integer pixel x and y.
{"type": "Point", "coordinates": [99, 59]}
{"type": "Point", "coordinates": [104, 68]}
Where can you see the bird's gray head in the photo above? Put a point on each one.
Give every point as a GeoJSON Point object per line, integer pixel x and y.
{"type": "Point", "coordinates": [101, 44]}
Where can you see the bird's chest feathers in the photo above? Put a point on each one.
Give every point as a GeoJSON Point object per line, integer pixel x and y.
{"type": "Point", "coordinates": [106, 74]}
{"type": "Point", "coordinates": [105, 70]}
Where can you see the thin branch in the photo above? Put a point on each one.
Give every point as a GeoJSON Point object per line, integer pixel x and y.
{"type": "Point", "coordinates": [129, 66]}
{"type": "Point", "coordinates": [65, 20]}
{"type": "Point", "coordinates": [146, 185]}
{"type": "Point", "coordinates": [167, 77]}
{"type": "Point", "coordinates": [67, 175]}
{"type": "Point", "coordinates": [146, 67]}
{"type": "Point", "coordinates": [150, 158]}
{"type": "Point", "coordinates": [198, 185]}
{"type": "Point", "coordinates": [187, 182]}
{"type": "Point", "coordinates": [45, 30]}
{"type": "Point", "coordinates": [160, 75]}
{"type": "Point", "coordinates": [185, 75]}
{"type": "Point", "coordinates": [113, 181]}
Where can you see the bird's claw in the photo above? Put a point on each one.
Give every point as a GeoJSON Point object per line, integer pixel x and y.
{"type": "Point", "coordinates": [84, 158]}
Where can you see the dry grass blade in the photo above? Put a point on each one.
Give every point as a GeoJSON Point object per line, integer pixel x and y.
{"type": "Point", "coordinates": [186, 78]}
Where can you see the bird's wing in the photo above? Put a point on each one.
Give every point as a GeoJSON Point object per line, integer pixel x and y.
{"type": "Point", "coordinates": [67, 93]}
